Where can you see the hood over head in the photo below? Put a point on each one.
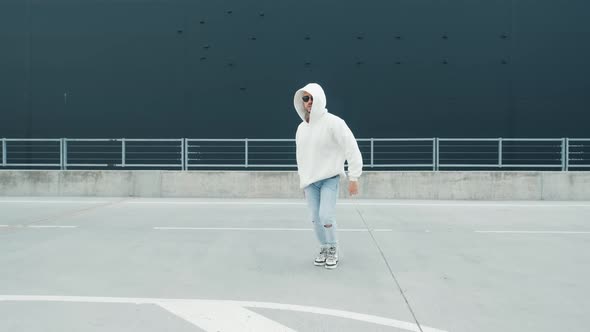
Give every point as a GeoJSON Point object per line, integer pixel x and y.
{"type": "Point", "coordinates": [318, 109]}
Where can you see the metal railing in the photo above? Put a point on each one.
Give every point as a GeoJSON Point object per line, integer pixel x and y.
{"type": "Point", "coordinates": [378, 153]}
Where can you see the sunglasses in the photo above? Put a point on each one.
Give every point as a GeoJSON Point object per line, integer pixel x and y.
{"type": "Point", "coordinates": [306, 98]}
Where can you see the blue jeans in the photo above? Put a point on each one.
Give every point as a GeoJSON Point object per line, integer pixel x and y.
{"type": "Point", "coordinates": [321, 199]}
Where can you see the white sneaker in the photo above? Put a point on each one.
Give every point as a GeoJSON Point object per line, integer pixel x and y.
{"type": "Point", "coordinates": [321, 258]}
{"type": "Point", "coordinates": [332, 258]}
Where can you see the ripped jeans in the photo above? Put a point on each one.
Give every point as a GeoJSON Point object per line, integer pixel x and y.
{"type": "Point", "coordinates": [321, 199]}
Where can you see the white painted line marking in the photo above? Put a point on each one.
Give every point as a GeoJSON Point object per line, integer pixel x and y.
{"type": "Point", "coordinates": [185, 307]}
{"type": "Point", "coordinates": [233, 229]}
{"type": "Point", "coordinates": [50, 226]}
{"type": "Point", "coordinates": [533, 232]}
{"type": "Point", "coordinates": [345, 203]}
{"type": "Point", "coordinates": [342, 314]}
{"type": "Point", "coordinates": [214, 203]}
{"type": "Point", "coordinates": [359, 203]}
{"type": "Point", "coordinates": [214, 317]}
{"type": "Point", "coordinates": [53, 202]}
{"type": "Point", "coordinates": [37, 226]}
{"type": "Point", "coordinates": [264, 229]}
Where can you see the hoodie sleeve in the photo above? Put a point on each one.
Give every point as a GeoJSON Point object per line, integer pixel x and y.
{"type": "Point", "coordinates": [347, 141]}
{"type": "Point", "coordinates": [297, 149]}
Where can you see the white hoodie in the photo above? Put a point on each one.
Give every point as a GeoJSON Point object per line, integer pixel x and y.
{"type": "Point", "coordinates": [324, 143]}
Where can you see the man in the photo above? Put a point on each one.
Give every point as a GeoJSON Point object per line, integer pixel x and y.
{"type": "Point", "coordinates": [323, 143]}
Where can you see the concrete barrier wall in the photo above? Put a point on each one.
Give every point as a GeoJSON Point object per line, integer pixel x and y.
{"type": "Point", "coordinates": [479, 185]}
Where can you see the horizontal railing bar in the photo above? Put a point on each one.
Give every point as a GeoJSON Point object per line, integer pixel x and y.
{"type": "Point", "coordinates": [539, 153]}
{"type": "Point", "coordinates": [281, 160]}
{"type": "Point", "coordinates": [36, 159]}
{"type": "Point", "coordinates": [270, 140]}
{"type": "Point", "coordinates": [87, 165]}
{"type": "Point", "coordinates": [121, 139]}
{"type": "Point", "coordinates": [251, 153]}
{"type": "Point", "coordinates": [116, 153]}
{"type": "Point", "coordinates": [33, 140]}
{"type": "Point", "coordinates": [531, 139]}
{"type": "Point", "coordinates": [468, 165]}
{"type": "Point", "coordinates": [152, 160]}
{"type": "Point", "coordinates": [216, 165]}
{"type": "Point", "coordinates": [76, 146]}
{"type": "Point", "coordinates": [37, 165]}
{"type": "Point", "coordinates": [404, 152]}
{"type": "Point", "coordinates": [93, 140]}
{"type": "Point", "coordinates": [557, 146]}
{"type": "Point", "coordinates": [147, 165]}
{"type": "Point", "coordinates": [468, 139]}
{"type": "Point", "coordinates": [240, 153]}
{"type": "Point", "coordinates": [267, 165]}
{"type": "Point", "coordinates": [402, 165]}
{"type": "Point", "coordinates": [389, 159]}
{"type": "Point", "coordinates": [395, 139]}
{"type": "Point", "coordinates": [468, 152]}
{"type": "Point", "coordinates": [216, 146]}
{"type": "Point", "coordinates": [153, 139]}
{"type": "Point", "coordinates": [98, 159]}
{"type": "Point", "coordinates": [400, 146]}
{"type": "Point", "coordinates": [52, 145]}
{"type": "Point", "coordinates": [215, 140]}
{"type": "Point", "coordinates": [495, 165]}
{"type": "Point", "coordinates": [152, 152]}
{"type": "Point", "coordinates": [154, 146]}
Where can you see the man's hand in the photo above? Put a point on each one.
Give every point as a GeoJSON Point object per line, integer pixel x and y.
{"type": "Point", "coordinates": [353, 187]}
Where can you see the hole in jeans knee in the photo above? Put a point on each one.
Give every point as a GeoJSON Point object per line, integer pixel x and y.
{"type": "Point", "coordinates": [328, 226]}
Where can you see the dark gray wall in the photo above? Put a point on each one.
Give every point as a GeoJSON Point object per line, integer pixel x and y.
{"type": "Point", "coordinates": [212, 69]}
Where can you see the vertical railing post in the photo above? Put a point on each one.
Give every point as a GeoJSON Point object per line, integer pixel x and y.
{"type": "Point", "coordinates": [565, 155]}
{"type": "Point", "coordinates": [123, 152]}
{"type": "Point", "coordinates": [500, 152]}
{"type": "Point", "coordinates": [372, 151]}
{"type": "Point", "coordinates": [65, 154]}
{"type": "Point", "coordinates": [4, 152]}
{"type": "Point", "coordinates": [61, 154]}
{"type": "Point", "coordinates": [185, 153]}
{"type": "Point", "coordinates": [246, 154]}
{"type": "Point", "coordinates": [182, 154]}
{"type": "Point", "coordinates": [436, 154]}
